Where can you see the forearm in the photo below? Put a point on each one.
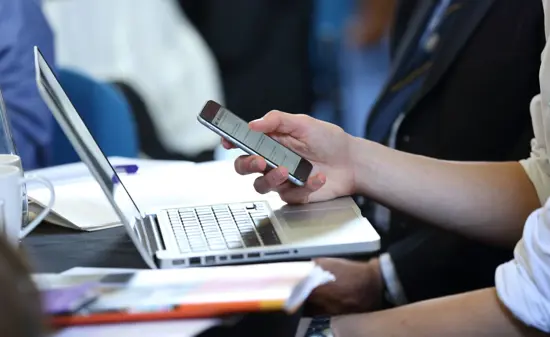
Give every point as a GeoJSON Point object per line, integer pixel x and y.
{"type": "Point", "coordinates": [473, 314]}
{"type": "Point", "coordinates": [489, 201]}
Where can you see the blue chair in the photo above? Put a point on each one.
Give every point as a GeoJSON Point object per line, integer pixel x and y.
{"type": "Point", "coordinates": [105, 112]}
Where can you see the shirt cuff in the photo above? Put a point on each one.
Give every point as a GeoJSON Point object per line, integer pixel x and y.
{"type": "Point", "coordinates": [395, 290]}
{"type": "Point", "coordinates": [537, 167]}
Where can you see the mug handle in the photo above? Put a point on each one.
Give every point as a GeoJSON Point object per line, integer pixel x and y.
{"type": "Point", "coordinates": [40, 217]}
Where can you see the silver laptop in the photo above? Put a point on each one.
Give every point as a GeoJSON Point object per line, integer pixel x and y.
{"type": "Point", "coordinates": [217, 234]}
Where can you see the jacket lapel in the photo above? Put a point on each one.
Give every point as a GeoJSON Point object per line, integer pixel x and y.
{"type": "Point", "coordinates": [405, 40]}
{"type": "Point", "coordinates": [449, 48]}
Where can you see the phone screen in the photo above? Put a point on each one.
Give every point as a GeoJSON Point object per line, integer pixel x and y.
{"type": "Point", "coordinates": [257, 141]}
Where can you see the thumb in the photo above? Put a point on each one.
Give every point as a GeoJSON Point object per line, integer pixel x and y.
{"type": "Point", "coordinates": [276, 122]}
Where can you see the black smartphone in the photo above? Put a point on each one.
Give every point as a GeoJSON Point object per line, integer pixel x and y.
{"type": "Point", "coordinates": [236, 130]}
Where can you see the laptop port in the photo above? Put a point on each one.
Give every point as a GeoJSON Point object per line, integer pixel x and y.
{"type": "Point", "coordinates": [210, 259]}
{"type": "Point", "coordinates": [275, 253]}
{"type": "Point", "coordinates": [254, 255]}
{"type": "Point", "coordinates": [222, 258]}
{"type": "Point", "coordinates": [237, 257]}
{"type": "Point", "coordinates": [195, 261]}
{"type": "Point", "coordinates": [179, 262]}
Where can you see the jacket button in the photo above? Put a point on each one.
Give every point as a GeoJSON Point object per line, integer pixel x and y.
{"type": "Point", "coordinates": [406, 138]}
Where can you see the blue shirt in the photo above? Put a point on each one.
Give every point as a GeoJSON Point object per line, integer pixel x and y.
{"type": "Point", "coordinates": [22, 26]}
{"type": "Point", "coordinates": [411, 74]}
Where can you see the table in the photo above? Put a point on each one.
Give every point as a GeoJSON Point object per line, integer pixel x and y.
{"type": "Point", "coordinates": [52, 249]}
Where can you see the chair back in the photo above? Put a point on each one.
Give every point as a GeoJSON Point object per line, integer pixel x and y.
{"type": "Point", "coordinates": [105, 112]}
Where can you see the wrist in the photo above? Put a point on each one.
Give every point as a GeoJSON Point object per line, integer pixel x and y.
{"type": "Point", "coordinates": [362, 154]}
{"type": "Point", "coordinates": [377, 284]}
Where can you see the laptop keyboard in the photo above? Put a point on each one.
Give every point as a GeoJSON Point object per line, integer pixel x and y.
{"type": "Point", "coordinates": [221, 227]}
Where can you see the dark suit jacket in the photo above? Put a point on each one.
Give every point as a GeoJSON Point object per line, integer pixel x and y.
{"type": "Point", "coordinates": [262, 49]}
{"type": "Point", "coordinates": [474, 106]}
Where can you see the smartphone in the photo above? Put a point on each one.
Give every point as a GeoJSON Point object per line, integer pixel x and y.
{"type": "Point", "coordinates": [236, 131]}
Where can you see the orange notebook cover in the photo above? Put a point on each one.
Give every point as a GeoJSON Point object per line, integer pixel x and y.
{"type": "Point", "coordinates": [150, 295]}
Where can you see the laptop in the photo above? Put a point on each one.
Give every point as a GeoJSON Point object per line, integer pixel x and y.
{"type": "Point", "coordinates": [218, 234]}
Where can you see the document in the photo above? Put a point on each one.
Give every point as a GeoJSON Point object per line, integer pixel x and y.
{"type": "Point", "coordinates": [157, 295]}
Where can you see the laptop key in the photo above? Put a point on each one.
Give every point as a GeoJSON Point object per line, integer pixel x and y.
{"type": "Point", "coordinates": [217, 247]}
{"type": "Point", "coordinates": [234, 245]}
{"type": "Point", "coordinates": [269, 237]}
{"type": "Point", "coordinates": [250, 239]}
{"type": "Point", "coordinates": [193, 232]}
{"type": "Point", "coordinates": [198, 249]}
{"type": "Point", "coordinates": [232, 235]}
{"type": "Point", "coordinates": [184, 249]}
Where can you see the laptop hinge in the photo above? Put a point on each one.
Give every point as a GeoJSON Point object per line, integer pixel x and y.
{"type": "Point", "coordinates": [152, 231]}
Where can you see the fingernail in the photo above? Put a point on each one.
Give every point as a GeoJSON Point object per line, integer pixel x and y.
{"type": "Point", "coordinates": [254, 164]}
{"type": "Point", "coordinates": [254, 122]}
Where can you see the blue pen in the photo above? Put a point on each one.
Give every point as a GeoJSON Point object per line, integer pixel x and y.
{"type": "Point", "coordinates": [125, 169]}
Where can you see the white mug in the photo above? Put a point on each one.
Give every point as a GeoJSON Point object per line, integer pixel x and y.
{"type": "Point", "coordinates": [15, 160]}
{"type": "Point", "coordinates": [11, 191]}
{"type": "Point", "coordinates": [11, 160]}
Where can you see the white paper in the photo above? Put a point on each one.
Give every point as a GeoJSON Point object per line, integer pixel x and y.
{"type": "Point", "coordinates": [82, 202]}
{"type": "Point", "coordinates": [179, 328]}
{"type": "Point", "coordinates": [96, 271]}
{"type": "Point", "coordinates": [77, 171]}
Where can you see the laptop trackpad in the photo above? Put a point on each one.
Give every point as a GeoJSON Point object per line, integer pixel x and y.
{"type": "Point", "coordinates": [296, 219]}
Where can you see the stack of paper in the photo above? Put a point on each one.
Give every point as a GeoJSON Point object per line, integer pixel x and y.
{"type": "Point", "coordinates": [168, 328]}
{"type": "Point", "coordinates": [152, 295]}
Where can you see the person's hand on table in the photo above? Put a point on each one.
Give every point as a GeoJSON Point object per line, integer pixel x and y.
{"type": "Point", "coordinates": [358, 288]}
{"type": "Point", "coordinates": [325, 145]}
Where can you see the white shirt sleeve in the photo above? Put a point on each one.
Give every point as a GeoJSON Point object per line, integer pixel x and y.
{"type": "Point", "coordinates": [523, 284]}
{"type": "Point", "coordinates": [391, 279]}
{"type": "Point", "coordinates": [537, 166]}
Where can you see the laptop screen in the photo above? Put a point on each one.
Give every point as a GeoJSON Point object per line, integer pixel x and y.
{"type": "Point", "coordinates": [90, 153]}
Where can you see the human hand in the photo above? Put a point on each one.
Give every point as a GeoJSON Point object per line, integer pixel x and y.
{"type": "Point", "coordinates": [358, 288]}
{"type": "Point", "coordinates": [325, 145]}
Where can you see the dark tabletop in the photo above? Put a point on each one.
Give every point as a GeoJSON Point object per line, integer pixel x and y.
{"type": "Point", "coordinates": [53, 249]}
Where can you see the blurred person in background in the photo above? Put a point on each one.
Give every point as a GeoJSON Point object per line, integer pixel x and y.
{"type": "Point", "coordinates": [262, 50]}
{"type": "Point", "coordinates": [23, 26]}
{"type": "Point", "coordinates": [350, 59]}
{"type": "Point", "coordinates": [365, 61]}
{"type": "Point", "coordinates": [155, 56]}
{"type": "Point", "coordinates": [454, 94]}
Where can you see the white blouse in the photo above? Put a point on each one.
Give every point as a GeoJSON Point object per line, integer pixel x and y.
{"type": "Point", "coordinates": [523, 284]}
